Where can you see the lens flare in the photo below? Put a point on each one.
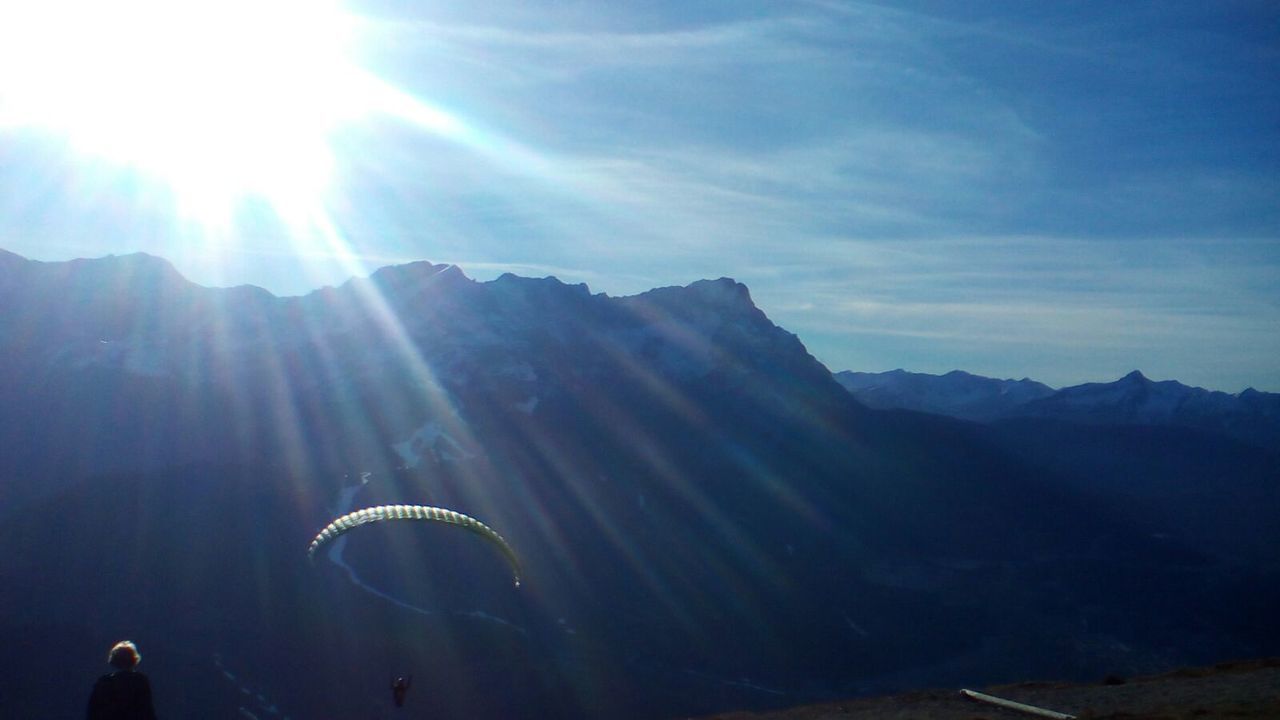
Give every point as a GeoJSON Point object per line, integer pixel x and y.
{"type": "Point", "coordinates": [221, 100]}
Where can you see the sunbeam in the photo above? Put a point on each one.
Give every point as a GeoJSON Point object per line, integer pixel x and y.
{"type": "Point", "coordinates": [221, 100]}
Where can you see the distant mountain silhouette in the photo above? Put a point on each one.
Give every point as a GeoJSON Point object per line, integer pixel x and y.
{"type": "Point", "coordinates": [706, 518]}
{"type": "Point", "coordinates": [1250, 416]}
{"type": "Point", "coordinates": [957, 393]}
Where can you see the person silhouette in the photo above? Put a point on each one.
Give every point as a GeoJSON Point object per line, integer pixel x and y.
{"type": "Point", "coordinates": [399, 688]}
{"type": "Point", "coordinates": [124, 694]}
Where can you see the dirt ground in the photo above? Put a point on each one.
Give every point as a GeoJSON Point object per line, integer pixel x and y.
{"type": "Point", "coordinates": [1243, 690]}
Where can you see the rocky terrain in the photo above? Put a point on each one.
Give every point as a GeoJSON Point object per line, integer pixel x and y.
{"type": "Point", "coordinates": [1245, 690]}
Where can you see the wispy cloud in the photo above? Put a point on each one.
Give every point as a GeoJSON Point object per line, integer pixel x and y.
{"type": "Point", "coordinates": [996, 302]}
{"type": "Point", "coordinates": [897, 186]}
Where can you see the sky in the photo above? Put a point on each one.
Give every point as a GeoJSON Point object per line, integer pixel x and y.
{"type": "Point", "coordinates": [1065, 191]}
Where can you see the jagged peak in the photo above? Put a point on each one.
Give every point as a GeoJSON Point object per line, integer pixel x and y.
{"type": "Point", "coordinates": [408, 279]}
{"type": "Point", "coordinates": [511, 280]}
{"type": "Point", "coordinates": [724, 292]}
{"type": "Point", "coordinates": [397, 274]}
{"type": "Point", "coordinates": [723, 289]}
{"type": "Point", "coordinates": [1135, 376]}
{"type": "Point", "coordinates": [453, 271]}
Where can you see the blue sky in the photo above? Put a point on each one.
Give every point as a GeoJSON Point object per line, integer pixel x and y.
{"type": "Point", "coordinates": [1066, 190]}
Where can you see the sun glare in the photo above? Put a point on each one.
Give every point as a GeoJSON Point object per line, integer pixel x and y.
{"type": "Point", "coordinates": [220, 99]}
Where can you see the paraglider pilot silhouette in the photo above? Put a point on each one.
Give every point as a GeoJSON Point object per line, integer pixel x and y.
{"type": "Point", "coordinates": [124, 694]}
{"type": "Point", "coordinates": [400, 687]}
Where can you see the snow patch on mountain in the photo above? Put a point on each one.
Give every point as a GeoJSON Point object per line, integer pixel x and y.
{"type": "Point", "coordinates": [431, 440]}
{"type": "Point", "coordinates": [346, 501]}
{"type": "Point", "coordinates": [335, 556]}
{"type": "Point", "coordinates": [347, 496]}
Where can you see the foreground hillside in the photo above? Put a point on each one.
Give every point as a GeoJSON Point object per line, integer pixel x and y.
{"type": "Point", "coordinates": [1247, 690]}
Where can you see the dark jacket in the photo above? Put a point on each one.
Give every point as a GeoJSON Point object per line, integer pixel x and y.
{"type": "Point", "coordinates": [121, 695]}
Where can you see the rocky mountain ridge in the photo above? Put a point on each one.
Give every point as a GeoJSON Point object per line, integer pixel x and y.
{"type": "Point", "coordinates": [956, 394]}
{"type": "Point", "coordinates": [1250, 416]}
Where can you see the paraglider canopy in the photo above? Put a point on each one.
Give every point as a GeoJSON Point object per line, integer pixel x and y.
{"type": "Point", "coordinates": [415, 512]}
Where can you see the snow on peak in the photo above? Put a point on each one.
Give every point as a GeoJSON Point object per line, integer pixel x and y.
{"type": "Point", "coordinates": [414, 276]}
{"type": "Point", "coordinates": [430, 440]}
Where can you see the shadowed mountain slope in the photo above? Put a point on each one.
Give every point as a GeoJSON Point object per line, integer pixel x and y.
{"type": "Point", "coordinates": [706, 519]}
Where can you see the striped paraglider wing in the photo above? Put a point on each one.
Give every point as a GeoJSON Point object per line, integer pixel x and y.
{"type": "Point", "coordinates": [415, 512]}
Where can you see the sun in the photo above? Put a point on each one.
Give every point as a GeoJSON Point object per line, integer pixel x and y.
{"type": "Point", "coordinates": [222, 100]}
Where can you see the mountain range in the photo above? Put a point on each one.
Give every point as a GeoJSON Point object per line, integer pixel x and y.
{"type": "Point", "coordinates": [1133, 400]}
{"type": "Point", "coordinates": [707, 519]}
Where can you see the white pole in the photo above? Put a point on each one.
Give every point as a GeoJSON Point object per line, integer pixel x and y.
{"type": "Point", "coordinates": [1031, 709]}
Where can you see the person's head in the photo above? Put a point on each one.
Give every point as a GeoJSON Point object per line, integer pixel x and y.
{"type": "Point", "coordinates": [124, 655]}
